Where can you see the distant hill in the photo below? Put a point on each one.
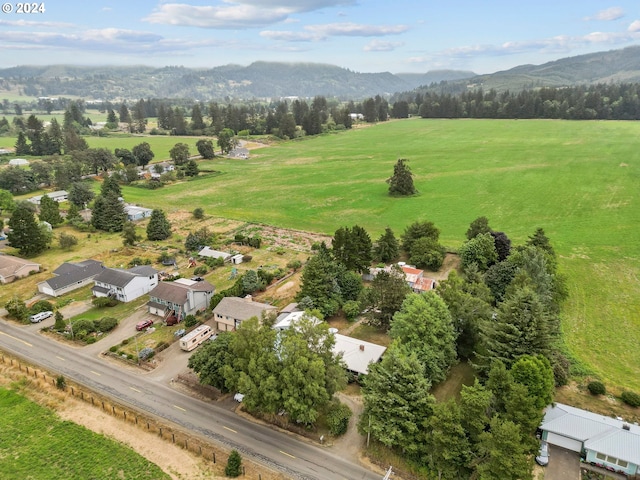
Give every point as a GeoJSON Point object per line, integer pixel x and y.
{"type": "Point", "coordinates": [614, 66]}
{"type": "Point", "coordinates": [258, 80]}
{"type": "Point", "coordinates": [275, 80]}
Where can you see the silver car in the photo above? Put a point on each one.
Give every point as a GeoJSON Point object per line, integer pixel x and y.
{"type": "Point", "coordinates": [543, 454]}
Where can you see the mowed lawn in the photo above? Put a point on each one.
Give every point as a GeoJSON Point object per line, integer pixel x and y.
{"type": "Point", "coordinates": [35, 443]}
{"type": "Point", "coordinates": [577, 180]}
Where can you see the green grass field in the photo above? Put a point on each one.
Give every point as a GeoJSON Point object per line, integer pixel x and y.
{"type": "Point", "coordinates": [35, 443]}
{"type": "Point", "coordinates": [577, 180]}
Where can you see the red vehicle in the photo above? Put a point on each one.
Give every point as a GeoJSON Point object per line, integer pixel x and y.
{"type": "Point", "coordinates": [144, 324]}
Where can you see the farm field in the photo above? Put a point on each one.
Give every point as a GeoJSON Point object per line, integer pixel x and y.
{"type": "Point", "coordinates": [577, 180]}
{"type": "Point", "coordinates": [37, 444]}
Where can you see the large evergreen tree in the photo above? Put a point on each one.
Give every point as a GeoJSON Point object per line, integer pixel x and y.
{"type": "Point", "coordinates": [503, 453]}
{"type": "Point", "coordinates": [352, 248]}
{"type": "Point", "coordinates": [26, 234]}
{"type": "Point", "coordinates": [401, 182]}
{"type": "Point", "coordinates": [397, 402]}
{"type": "Point", "coordinates": [159, 227]}
{"type": "Point", "coordinates": [108, 213]}
{"type": "Point", "coordinates": [386, 249]}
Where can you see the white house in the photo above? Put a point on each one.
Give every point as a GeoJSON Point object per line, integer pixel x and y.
{"type": "Point", "coordinates": [70, 276]}
{"type": "Point", "coordinates": [125, 285]}
{"type": "Point", "coordinates": [156, 170]}
{"type": "Point", "coordinates": [357, 354]}
{"type": "Point", "coordinates": [180, 298]}
{"type": "Point", "coordinates": [608, 442]}
{"type": "Point", "coordinates": [135, 213]}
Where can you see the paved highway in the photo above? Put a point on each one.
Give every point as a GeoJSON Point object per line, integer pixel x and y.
{"type": "Point", "coordinates": [282, 452]}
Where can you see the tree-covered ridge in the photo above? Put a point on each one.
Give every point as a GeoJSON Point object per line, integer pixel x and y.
{"type": "Point", "coordinates": [619, 101]}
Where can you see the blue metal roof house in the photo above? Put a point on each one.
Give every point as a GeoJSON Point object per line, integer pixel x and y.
{"type": "Point", "coordinates": [608, 442]}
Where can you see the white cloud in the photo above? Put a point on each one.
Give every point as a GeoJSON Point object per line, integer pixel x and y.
{"type": "Point", "coordinates": [316, 33]}
{"type": "Point", "coordinates": [560, 43]}
{"type": "Point", "coordinates": [32, 23]}
{"type": "Point", "coordinates": [382, 46]}
{"type": "Point", "coordinates": [613, 13]}
{"type": "Point", "coordinates": [236, 14]}
{"type": "Point", "coordinates": [356, 30]}
{"type": "Point", "coordinates": [287, 36]}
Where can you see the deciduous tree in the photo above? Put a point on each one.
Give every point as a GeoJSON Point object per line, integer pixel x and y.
{"type": "Point", "coordinates": [209, 360]}
{"type": "Point", "coordinates": [50, 211]}
{"type": "Point", "coordinates": [423, 326]}
{"type": "Point", "coordinates": [129, 234]}
{"type": "Point", "coordinates": [480, 250]}
{"type": "Point", "coordinates": [205, 149]}
{"type": "Point", "coordinates": [179, 153]}
{"type": "Point", "coordinates": [384, 297]}
{"type": "Point", "coordinates": [143, 153]}
{"type": "Point", "coordinates": [478, 226]}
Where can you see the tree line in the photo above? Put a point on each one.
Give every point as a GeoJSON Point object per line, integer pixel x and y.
{"type": "Point", "coordinates": [595, 102]}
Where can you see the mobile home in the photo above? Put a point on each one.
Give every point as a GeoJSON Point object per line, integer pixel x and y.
{"type": "Point", "coordinates": [196, 337]}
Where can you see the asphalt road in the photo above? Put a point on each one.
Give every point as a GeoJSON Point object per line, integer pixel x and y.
{"type": "Point", "coordinates": [282, 452]}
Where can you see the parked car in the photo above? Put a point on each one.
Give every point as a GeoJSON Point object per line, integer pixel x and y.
{"type": "Point", "coordinates": [543, 454]}
{"type": "Point", "coordinates": [144, 324]}
{"type": "Point", "coordinates": [38, 317]}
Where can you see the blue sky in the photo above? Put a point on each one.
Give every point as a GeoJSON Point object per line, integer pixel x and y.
{"type": "Point", "coordinates": [362, 35]}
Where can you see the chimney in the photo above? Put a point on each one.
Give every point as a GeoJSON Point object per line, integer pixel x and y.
{"type": "Point", "coordinates": [362, 348]}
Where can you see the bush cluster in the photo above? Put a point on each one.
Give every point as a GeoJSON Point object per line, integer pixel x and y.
{"type": "Point", "coordinates": [101, 302]}
{"type": "Point", "coordinates": [254, 242]}
{"type": "Point", "coordinates": [338, 417]}
{"type": "Point", "coordinates": [146, 353]}
{"type": "Point", "coordinates": [596, 388]}
{"type": "Point", "coordinates": [630, 398]}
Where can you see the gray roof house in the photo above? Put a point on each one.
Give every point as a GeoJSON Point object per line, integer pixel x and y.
{"type": "Point", "coordinates": [135, 213]}
{"type": "Point", "coordinates": [357, 354]}
{"type": "Point", "coordinates": [59, 196]}
{"type": "Point", "coordinates": [211, 253]}
{"type": "Point", "coordinates": [70, 276]}
{"type": "Point", "coordinates": [180, 298]}
{"type": "Point", "coordinates": [12, 268]}
{"type": "Point", "coordinates": [125, 285]}
{"type": "Point", "coordinates": [608, 442]}
{"type": "Point", "coordinates": [232, 311]}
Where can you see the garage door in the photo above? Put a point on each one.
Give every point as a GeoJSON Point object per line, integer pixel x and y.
{"type": "Point", "coordinates": [564, 442]}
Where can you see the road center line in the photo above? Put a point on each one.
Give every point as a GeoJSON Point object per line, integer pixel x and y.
{"type": "Point", "coordinates": [95, 373]}
{"type": "Point", "coordinates": [287, 454]}
{"type": "Point", "coordinates": [61, 358]}
{"type": "Point", "coordinates": [180, 408]}
{"type": "Point", "coordinates": [230, 429]}
{"type": "Point", "coordinates": [17, 339]}
{"type": "Point", "coordinates": [135, 389]}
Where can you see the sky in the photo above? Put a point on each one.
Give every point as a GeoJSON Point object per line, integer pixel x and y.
{"type": "Point", "coordinates": [397, 36]}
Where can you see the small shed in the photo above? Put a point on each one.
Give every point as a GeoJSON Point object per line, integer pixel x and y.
{"type": "Point", "coordinates": [19, 162]}
{"type": "Point", "coordinates": [211, 253]}
{"type": "Point", "coordinates": [237, 259]}
{"type": "Point", "coordinates": [135, 213]}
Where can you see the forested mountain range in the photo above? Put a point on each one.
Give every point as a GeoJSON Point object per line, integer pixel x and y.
{"type": "Point", "coordinates": [614, 66]}
{"type": "Point", "coordinates": [277, 80]}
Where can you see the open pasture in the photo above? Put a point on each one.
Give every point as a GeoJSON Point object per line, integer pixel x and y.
{"type": "Point", "coordinates": [38, 444]}
{"type": "Point", "coordinates": [577, 180]}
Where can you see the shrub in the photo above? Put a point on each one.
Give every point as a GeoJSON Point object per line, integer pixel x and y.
{"type": "Point", "coordinates": [17, 309]}
{"type": "Point", "coordinates": [146, 353]}
{"type": "Point", "coordinates": [294, 265]}
{"type": "Point", "coordinates": [190, 321]}
{"type": "Point", "coordinates": [41, 306]}
{"type": "Point", "coordinates": [83, 326]}
{"type": "Point", "coordinates": [351, 309]}
{"type": "Point", "coordinates": [106, 324]}
{"type": "Point", "coordinates": [630, 398]}
{"type": "Point", "coordinates": [201, 270]}
{"type": "Point", "coordinates": [91, 340]}
{"type": "Point", "coordinates": [338, 418]}
{"type": "Point", "coordinates": [596, 388]}
{"type": "Point", "coordinates": [113, 348]}
{"type": "Point", "coordinates": [234, 465]}
{"type": "Point", "coordinates": [101, 302]}
{"type": "Point", "coordinates": [198, 213]}
{"type": "Point", "coordinates": [162, 345]}
{"type": "Point", "coordinates": [61, 382]}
